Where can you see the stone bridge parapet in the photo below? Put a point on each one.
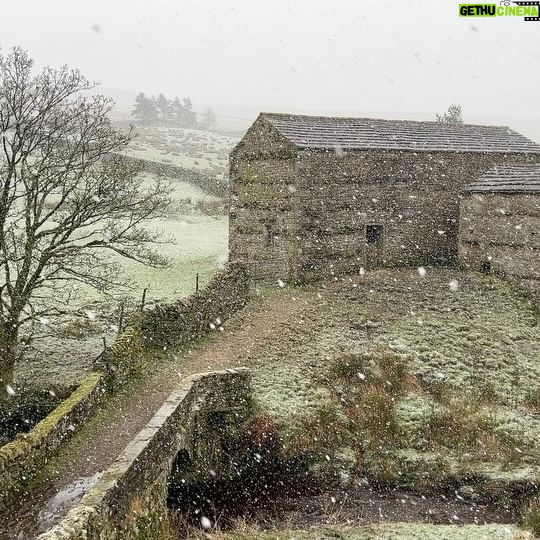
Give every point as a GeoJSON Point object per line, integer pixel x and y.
{"type": "Point", "coordinates": [130, 499]}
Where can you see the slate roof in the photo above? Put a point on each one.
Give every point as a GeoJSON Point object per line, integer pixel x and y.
{"type": "Point", "coordinates": [512, 178]}
{"type": "Point", "coordinates": [321, 132]}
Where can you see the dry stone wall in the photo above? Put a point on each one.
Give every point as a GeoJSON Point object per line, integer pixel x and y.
{"type": "Point", "coordinates": [212, 185]}
{"type": "Point", "coordinates": [177, 323]}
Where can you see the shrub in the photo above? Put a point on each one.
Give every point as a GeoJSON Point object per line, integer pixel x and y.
{"type": "Point", "coordinates": [383, 368]}
{"type": "Point", "coordinates": [532, 399]}
{"type": "Point", "coordinates": [465, 423]}
{"type": "Point", "coordinates": [211, 207]}
{"type": "Point", "coordinates": [531, 515]}
{"type": "Point", "coordinates": [321, 431]}
{"type": "Point", "coordinates": [373, 419]}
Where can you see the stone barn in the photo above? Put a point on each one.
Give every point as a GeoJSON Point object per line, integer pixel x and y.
{"type": "Point", "coordinates": [313, 196]}
{"type": "Point", "coordinates": [499, 228]}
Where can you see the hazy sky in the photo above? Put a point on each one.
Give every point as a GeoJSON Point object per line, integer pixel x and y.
{"type": "Point", "coordinates": [341, 55]}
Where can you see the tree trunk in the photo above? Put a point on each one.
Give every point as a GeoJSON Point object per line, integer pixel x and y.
{"type": "Point", "coordinates": [8, 354]}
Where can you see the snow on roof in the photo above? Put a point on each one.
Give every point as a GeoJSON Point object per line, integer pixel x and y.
{"type": "Point", "coordinates": [321, 132]}
{"type": "Point", "coordinates": [512, 178]}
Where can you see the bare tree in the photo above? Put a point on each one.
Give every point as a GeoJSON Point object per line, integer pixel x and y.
{"type": "Point", "coordinates": [453, 116]}
{"type": "Point", "coordinates": [69, 207]}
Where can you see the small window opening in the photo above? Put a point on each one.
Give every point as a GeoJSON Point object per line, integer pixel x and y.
{"type": "Point", "coordinates": [373, 234]}
{"type": "Point", "coordinates": [486, 266]}
{"type": "Point", "coordinates": [270, 234]}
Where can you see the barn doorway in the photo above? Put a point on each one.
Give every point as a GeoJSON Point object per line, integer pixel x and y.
{"type": "Point", "coordinates": [374, 245]}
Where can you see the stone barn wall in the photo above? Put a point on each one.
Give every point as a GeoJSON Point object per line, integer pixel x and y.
{"type": "Point", "coordinates": [263, 216]}
{"type": "Point", "coordinates": [413, 195]}
{"type": "Point", "coordinates": [500, 232]}
{"type": "Point", "coordinates": [301, 213]}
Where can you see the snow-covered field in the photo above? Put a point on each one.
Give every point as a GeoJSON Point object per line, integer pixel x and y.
{"type": "Point", "coordinates": [204, 151]}
{"type": "Point", "coordinates": [469, 405]}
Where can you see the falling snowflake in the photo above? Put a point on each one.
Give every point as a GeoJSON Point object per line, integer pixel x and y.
{"type": "Point", "coordinates": [205, 523]}
{"type": "Point", "coordinates": [212, 326]}
{"type": "Point", "coordinates": [454, 285]}
{"type": "Point", "coordinates": [221, 261]}
{"type": "Point", "coordinates": [421, 271]}
{"type": "Point", "coordinates": [9, 390]}
{"type": "Point", "coordinates": [218, 321]}
{"type": "Point", "coordinates": [281, 283]}
{"type": "Point", "coordinates": [90, 315]}
{"type": "Point", "coordinates": [95, 198]}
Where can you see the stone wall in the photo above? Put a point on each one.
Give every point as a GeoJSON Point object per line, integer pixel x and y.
{"type": "Point", "coordinates": [500, 233]}
{"type": "Point", "coordinates": [319, 204]}
{"type": "Point", "coordinates": [23, 458]}
{"type": "Point", "coordinates": [212, 185]}
{"type": "Point", "coordinates": [163, 325]}
{"type": "Point", "coordinates": [263, 217]}
{"type": "Point", "coordinates": [129, 501]}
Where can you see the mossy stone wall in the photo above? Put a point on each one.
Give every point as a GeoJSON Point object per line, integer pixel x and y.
{"type": "Point", "coordinates": [22, 458]}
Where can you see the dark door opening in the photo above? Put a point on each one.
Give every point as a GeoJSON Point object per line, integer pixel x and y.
{"type": "Point", "coordinates": [374, 245]}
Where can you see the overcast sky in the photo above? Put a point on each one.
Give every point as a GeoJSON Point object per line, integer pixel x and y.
{"type": "Point", "coordinates": [307, 55]}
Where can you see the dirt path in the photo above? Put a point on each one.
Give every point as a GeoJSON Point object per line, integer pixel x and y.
{"type": "Point", "coordinates": [98, 443]}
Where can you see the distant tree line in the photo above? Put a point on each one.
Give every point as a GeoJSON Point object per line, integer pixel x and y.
{"type": "Point", "coordinates": [176, 112]}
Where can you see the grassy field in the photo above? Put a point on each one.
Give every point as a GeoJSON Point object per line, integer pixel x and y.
{"type": "Point", "coordinates": [190, 148]}
{"type": "Point", "coordinates": [411, 379]}
{"type": "Point", "coordinates": [412, 395]}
